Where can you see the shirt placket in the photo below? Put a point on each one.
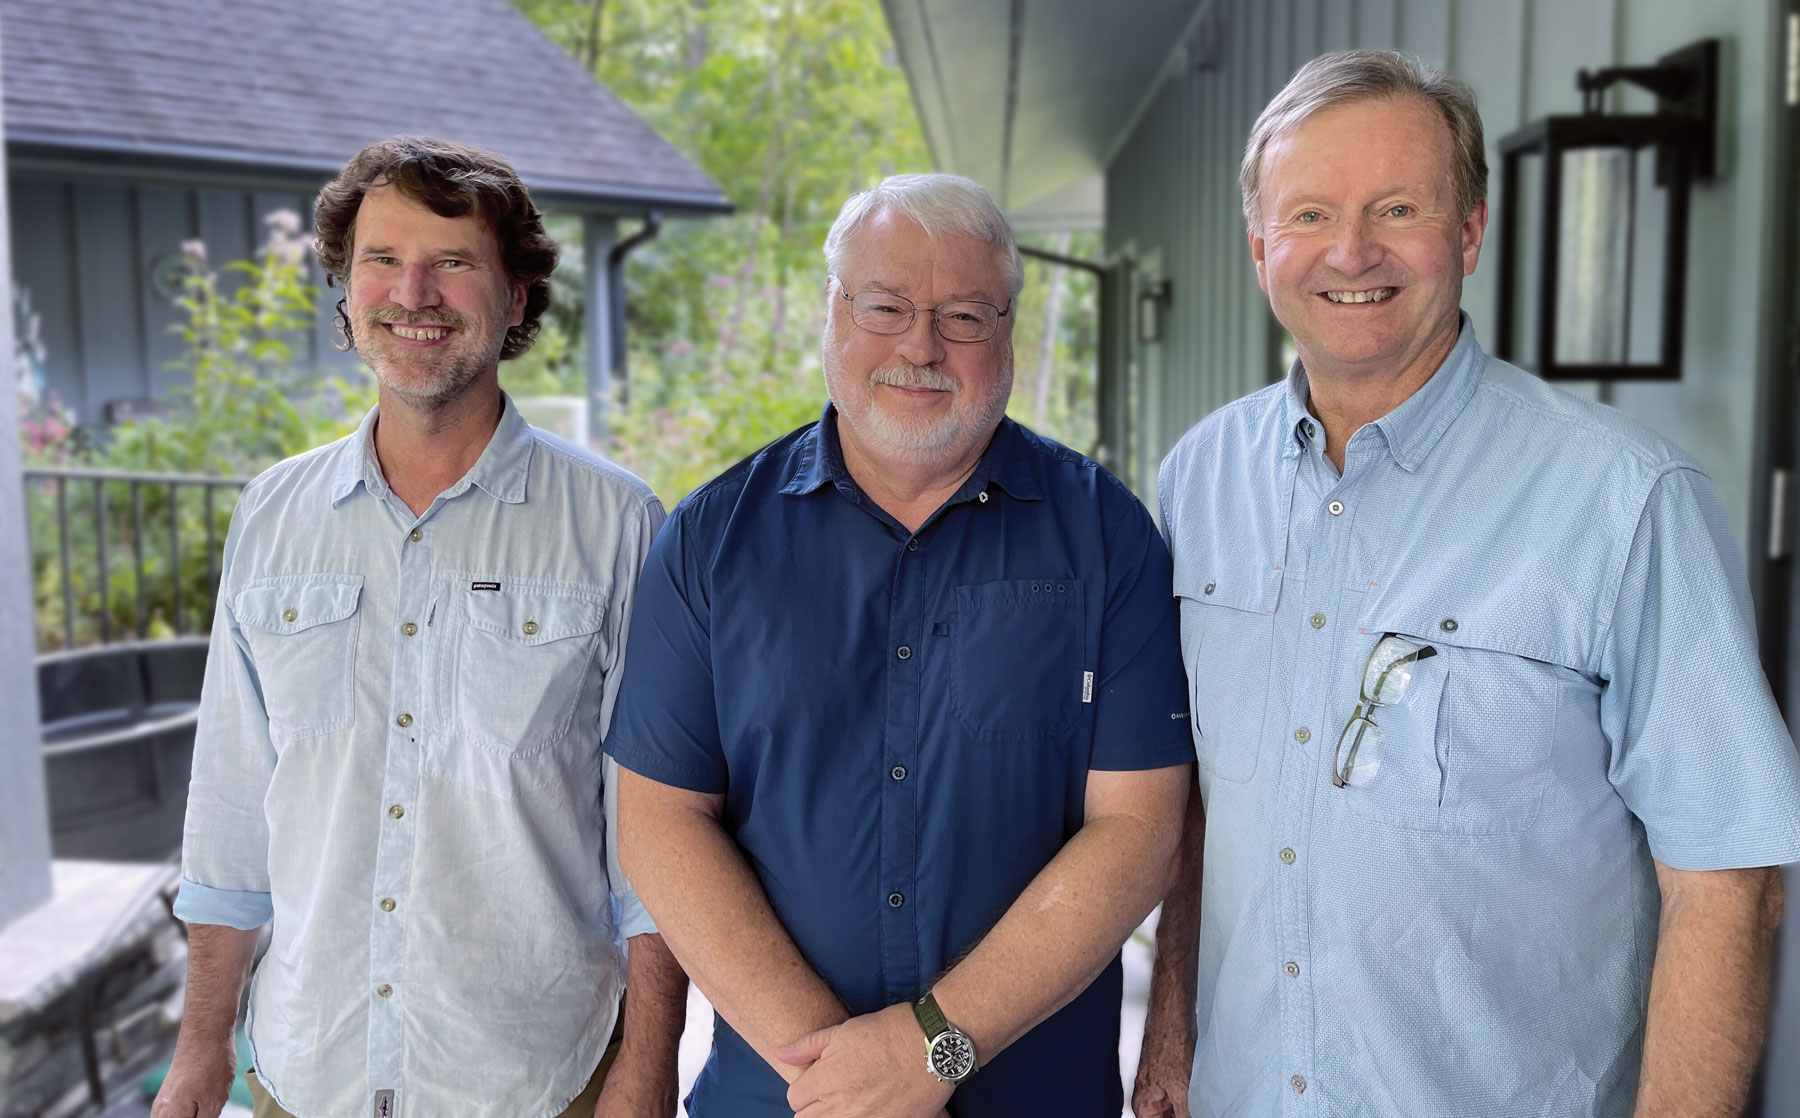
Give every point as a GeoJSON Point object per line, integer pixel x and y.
{"type": "Point", "coordinates": [418, 620]}
{"type": "Point", "coordinates": [1311, 622]}
{"type": "Point", "coordinates": [899, 776]}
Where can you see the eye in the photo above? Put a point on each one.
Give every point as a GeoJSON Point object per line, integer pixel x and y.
{"type": "Point", "coordinates": [1401, 210]}
{"type": "Point", "coordinates": [453, 263]}
{"type": "Point", "coordinates": [1310, 217]}
{"type": "Point", "coordinates": [963, 317]}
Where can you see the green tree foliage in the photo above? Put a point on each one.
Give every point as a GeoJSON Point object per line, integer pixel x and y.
{"type": "Point", "coordinates": [791, 106]}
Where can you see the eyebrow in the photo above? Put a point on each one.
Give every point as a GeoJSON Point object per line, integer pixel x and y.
{"type": "Point", "coordinates": [388, 250]}
{"type": "Point", "coordinates": [970, 296]}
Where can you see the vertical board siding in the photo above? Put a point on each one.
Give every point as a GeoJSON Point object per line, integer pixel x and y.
{"type": "Point", "coordinates": [1173, 185]}
{"type": "Point", "coordinates": [87, 253]}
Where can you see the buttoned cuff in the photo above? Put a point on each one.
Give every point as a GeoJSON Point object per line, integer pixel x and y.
{"type": "Point", "coordinates": [234, 908]}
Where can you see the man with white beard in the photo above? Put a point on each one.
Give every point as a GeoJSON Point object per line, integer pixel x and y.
{"type": "Point", "coordinates": [901, 737]}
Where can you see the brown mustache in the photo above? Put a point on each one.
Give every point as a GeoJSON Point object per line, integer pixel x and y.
{"type": "Point", "coordinates": [400, 316]}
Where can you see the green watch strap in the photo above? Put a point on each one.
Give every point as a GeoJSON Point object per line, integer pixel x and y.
{"type": "Point", "coordinates": [931, 1018]}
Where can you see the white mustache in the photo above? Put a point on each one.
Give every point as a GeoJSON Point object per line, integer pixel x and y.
{"type": "Point", "coordinates": [913, 376]}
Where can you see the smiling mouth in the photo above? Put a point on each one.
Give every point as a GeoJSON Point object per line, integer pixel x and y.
{"type": "Point", "coordinates": [419, 333]}
{"type": "Point", "coordinates": [1378, 295]}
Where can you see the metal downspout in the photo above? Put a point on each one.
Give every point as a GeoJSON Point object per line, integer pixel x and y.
{"type": "Point", "coordinates": [615, 288]}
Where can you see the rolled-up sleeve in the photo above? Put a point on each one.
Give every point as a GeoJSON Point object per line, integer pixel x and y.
{"type": "Point", "coordinates": [225, 842]}
{"type": "Point", "coordinates": [1700, 752]}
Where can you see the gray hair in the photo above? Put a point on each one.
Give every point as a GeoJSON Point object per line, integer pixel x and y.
{"type": "Point", "coordinates": [942, 205]}
{"type": "Point", "coordinates": [1364, 75]}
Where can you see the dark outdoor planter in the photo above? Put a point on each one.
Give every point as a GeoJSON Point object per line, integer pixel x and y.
{"type": "Point", "coordinates": [118, 726]}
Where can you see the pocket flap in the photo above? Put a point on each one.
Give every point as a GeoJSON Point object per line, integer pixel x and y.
{"type": "Point", "coordinates": [536, 616]}
{"type": "Point", "coordinates": [1246, 588]}
{"type": "Point", "coordinates": [288, 604]}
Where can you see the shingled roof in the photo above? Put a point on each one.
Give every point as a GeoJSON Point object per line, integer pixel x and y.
{"type": "Point", "coordinates": [297, 86]}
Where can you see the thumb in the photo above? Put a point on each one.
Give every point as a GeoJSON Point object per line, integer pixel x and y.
{"type": "Point", "coordinates": [807, 1049]}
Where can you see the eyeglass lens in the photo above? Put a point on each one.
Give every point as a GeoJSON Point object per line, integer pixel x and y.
{"type": "Point", "coordinates": [965, 321]}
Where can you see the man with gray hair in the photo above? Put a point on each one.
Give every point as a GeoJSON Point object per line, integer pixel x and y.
{"type": "Point", "coordinates": [902, 732]}
{"type": "Point", "coordinates": [1491, 781]}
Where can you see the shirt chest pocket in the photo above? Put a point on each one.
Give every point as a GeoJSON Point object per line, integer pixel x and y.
{"type": "Point", "coordinates": [302, 632]}
{"type": "Point", "coordinates": [1227, 635]}
{"type": "Point", "coordinates": [520, 665]}
{"type": "Point", "coordinates": [1467, 749]}
{"type": "Point", "coordinates": [1018, 668]}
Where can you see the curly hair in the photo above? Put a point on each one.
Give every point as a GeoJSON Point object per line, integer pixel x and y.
{"type": "Point", "coordinates": [452, 181]}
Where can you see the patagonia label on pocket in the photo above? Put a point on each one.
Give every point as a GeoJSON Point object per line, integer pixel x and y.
{"type": "Point", "coordinates": [1087, 687]}
{"type": "Point", "coordinates": [484, 586]}
{"type": "Point", "coordinates": [384, 1104]}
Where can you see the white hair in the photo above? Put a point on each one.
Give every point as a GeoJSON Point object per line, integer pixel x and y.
{"type": "Point", "coordinates": [942, 205]}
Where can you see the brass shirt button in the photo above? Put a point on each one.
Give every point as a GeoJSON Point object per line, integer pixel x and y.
{"type": "Point", "coordinates": [1302, 734]}
{"type": "Point", "coordinates": [409, 629]}
{"type": "Point", "coordinates": [387, 905]}
{"type": "Point", "coordinates": [289, 614]}
{"type": "Point", "coordinates": [1287, 855]}
{"type": "Point", "coordinates": [385, 990]}
{"type": "Point", "coordinates": [1292, 970]}
{"type": "Point", "coordinates": [396, 811]}
{"type": "Point", "coordinates": [531, 628]}
{"type": "Point", "coordinates": [415, 535]}
{"type": "Point", "coordinates": [404, 720]}
{"type": "Point", "coordinates": [1318, 620]}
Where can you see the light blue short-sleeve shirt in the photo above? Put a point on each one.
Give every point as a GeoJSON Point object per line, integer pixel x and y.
{"type": "Point", "coordinates": [1468, 927]}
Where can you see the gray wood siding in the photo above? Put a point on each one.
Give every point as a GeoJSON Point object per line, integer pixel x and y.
{"type": "Point", "coordinates": [86, 250]}
{"type": "Point", "coordinates": [1172, 185]}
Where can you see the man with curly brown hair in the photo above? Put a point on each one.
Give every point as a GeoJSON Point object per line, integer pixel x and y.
{"type": "Point", "coordinates": [414, 659]}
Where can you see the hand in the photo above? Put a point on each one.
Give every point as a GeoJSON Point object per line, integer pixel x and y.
{"type": "Point", "coordinates": [1161, 1087]}
{"type": "Point", "coordinates": [638, 1088]}
{"type": "Point", "coordinates": [871, 1066]}
{"type": "Point", "coordinates": [199, 1080]}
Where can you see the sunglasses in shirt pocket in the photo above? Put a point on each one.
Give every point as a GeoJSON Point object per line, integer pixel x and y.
{"type": "Point", "coordinates": [1467, 751]}
{"type": "Point", "coordinates": [302, 629]}
{"type": "Point", "coordinates": [522, 663]}
{"type": "Point", "coordinates": [1019, 650]}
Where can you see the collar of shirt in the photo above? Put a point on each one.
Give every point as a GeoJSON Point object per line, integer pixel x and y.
{"type": "Point", "coordinates": [1413, 428]}
{"type": "Point", "coordinates": [817, 458]}
{"type": "Point", "coordinates": [500, 472]}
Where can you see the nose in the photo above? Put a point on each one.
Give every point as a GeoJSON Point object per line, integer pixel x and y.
{"type": "Point", "coordinates": [415, 287]}
{"type": "Point", "coordinates": [921, 344]}
{"type": "Point", "coordinates": [1354, 248]}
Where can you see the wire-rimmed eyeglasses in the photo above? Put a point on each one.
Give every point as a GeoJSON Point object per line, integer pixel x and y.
{"type": "Point", "coordinates": [965, 320]}
{"type": "Point", "coordinates": [1384, 680]}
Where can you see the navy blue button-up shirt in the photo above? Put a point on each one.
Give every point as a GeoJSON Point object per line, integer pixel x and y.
{"type": "Point", "coordinates": [902, 723]}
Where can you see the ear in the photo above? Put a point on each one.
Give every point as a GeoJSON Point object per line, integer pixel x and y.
{"type": "Point", "coordinates": [1474, 227]}
{"type": "Point", "coordinates": [1258, 250]}
{"type": "Point", "coordinates": [516, 314]}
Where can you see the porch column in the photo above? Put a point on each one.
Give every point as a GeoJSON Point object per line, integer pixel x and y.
{"type": "Point", "coordinates": [599, 233]}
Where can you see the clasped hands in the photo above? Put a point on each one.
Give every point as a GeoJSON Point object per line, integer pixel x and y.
{"type": "Point", "coordinates": [871, 1066]}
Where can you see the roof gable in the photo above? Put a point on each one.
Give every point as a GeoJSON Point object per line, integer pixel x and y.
{"type": "Point", "coordinates": [304, 84]}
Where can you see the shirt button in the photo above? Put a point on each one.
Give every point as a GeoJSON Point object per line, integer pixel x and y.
{"type": "Point", "coordinates": [1292, 970]}
{"type": "Point", "coordinates": [530, 628]}
{"type": "Point", "coordinates": [982, 497]}
{"type": "Point", "coordinates": [404, 720]}
{"type": "Point", "coordinates": [1211, 586]}
{"type": "Point", "coordinates": [912, 545]}
{"type": "Point", "coordinates": [1302, 734]}
{"type": "Point", "coordinates": [895, 900]}
{"type": "Point", "coordinates": [289, 613]}
{"type": "Point", "coordinates": [1318, 620]}
{"type": "Point", "coordinates": [396, 811]}
{"type": "Point", "coordinates": [1287, 855]}
{"type": "Point", "coordinates": [1310, 429]}
{"type": "Point", "coordinates": [409, 629]}
{"type": "Point", "coordinates": [387, 905]}
{"type": "Point", "coordinates": [1448, 624]}
{"type": "Point", "coordinates": [1336, 507]}
{"type": "Point", "coordinates": [1298, 1083]}
{"type": "Point", "coordinates": [415, 535]}
{"type": "Point", "coordinates": [385, 990]}
{"type": "Point", "coordinates": [904, 652]}
{"type": "Point", "coordinates": [898, 772]}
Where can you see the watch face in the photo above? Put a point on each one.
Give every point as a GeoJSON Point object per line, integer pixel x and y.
{"type": "Point", "coordinates": [952, 1056]}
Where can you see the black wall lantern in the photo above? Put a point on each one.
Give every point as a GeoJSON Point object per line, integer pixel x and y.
{"type": "Point", "coordinates": [1152, 302]}
{"type": "Point", "coordinates": [1567, 294]}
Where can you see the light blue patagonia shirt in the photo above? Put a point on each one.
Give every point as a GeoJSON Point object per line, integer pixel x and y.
{"type": "Point", "coordinates": [398, 766]}
{"type": "Point", "coordinates": [1467, 926]}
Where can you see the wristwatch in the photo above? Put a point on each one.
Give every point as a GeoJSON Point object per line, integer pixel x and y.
{"type": "Point", "coordinates": [949, 1053]}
